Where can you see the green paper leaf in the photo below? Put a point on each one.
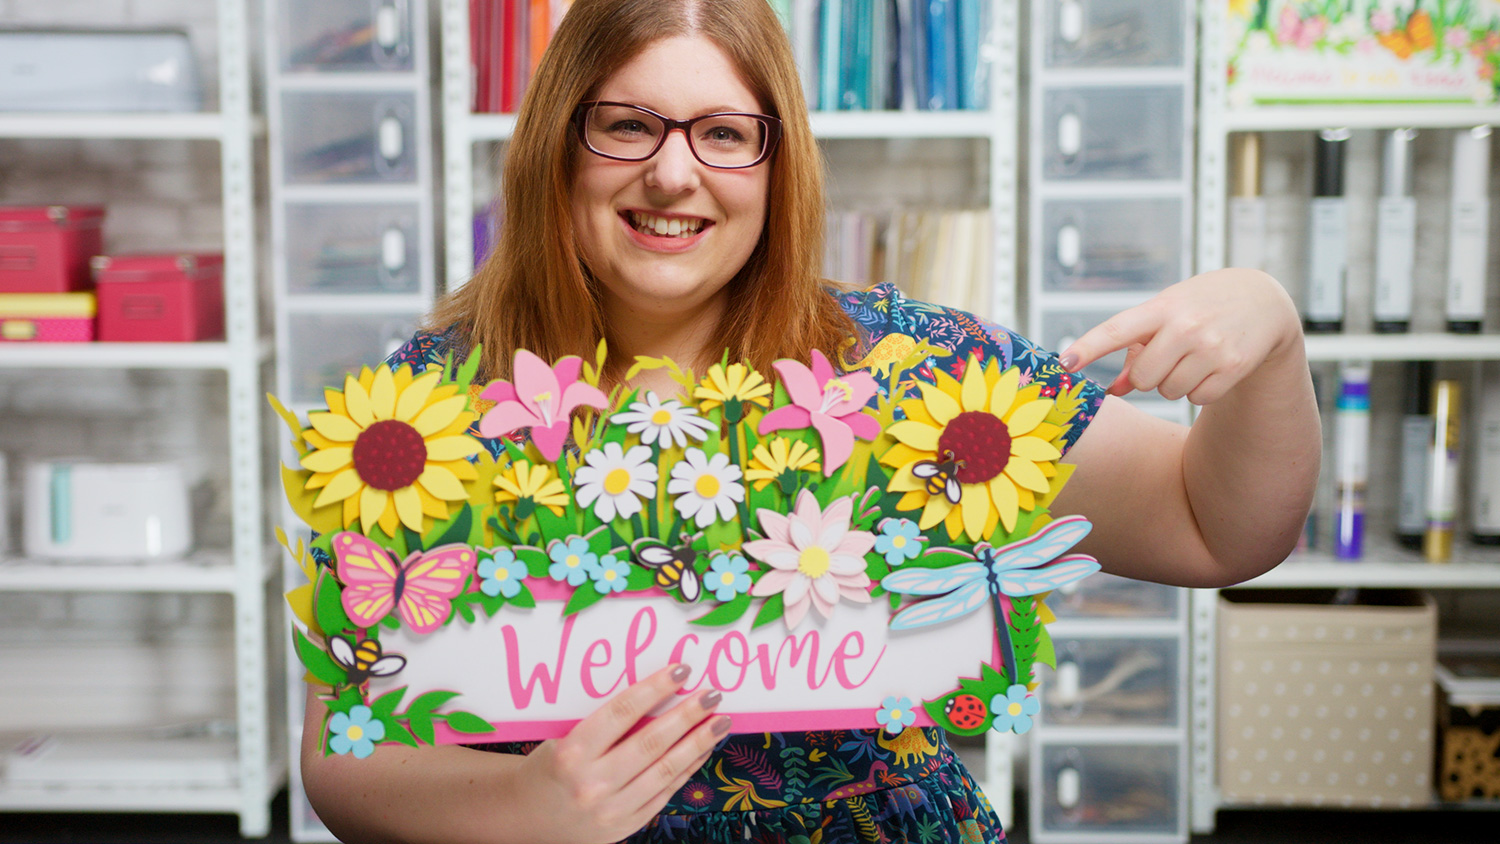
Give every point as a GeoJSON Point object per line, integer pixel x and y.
{"type": "Point", "coordinates": [772, 609]}
{"type": "Point", "coordinates": [455, 530]}
{"type": "Point", "coordinates": [584, 596]}
{"type": "Point", "coordinates": [319, 663]}
{"type": "Point", "coordinates": [468, 722]}
{"type": "Point", "coordinates": [328, 609]}
{"type": "Point", "coordinates": [397, 732]}
{"type": "Point", "coordinates": [523, 599]}
{"type": "Point", "coordinates": [421, 727]}
{"type": "Point", "coordinates": [726, 613]}
{"type": "Point", "coordinates": [464, 609]}
{"type": "Point", "coordinates": [391, 622]}
{"type": "Point", "coordinates": [385, 705]}
{"type": "Point", "coordinates": [536, 560]}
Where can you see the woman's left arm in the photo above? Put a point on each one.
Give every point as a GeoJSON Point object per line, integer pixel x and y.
{"type": "Point", "coordinates": [1222, 501]}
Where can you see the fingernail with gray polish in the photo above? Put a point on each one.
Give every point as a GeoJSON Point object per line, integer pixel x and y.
{"type": "Point", "coordinates": [721, 725]}
{"type": "Point", "coordinates": [681, 673]}
{"type": "Point", "coordinates": [712, 699]}
{"type": "Point", "coordinates": [1069, 362]}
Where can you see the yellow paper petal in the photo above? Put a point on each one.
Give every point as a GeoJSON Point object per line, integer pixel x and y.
{"type": "Point", "coordinates": [414, 398]}
{"type": "Point", "coordinates": [453, 448]}
{"type": "Point", "coordinates": [976, 507]}
{"type": "Point", "coordinates": [444, 484]}
{"type": "Point", "coordinates": [914, 500]}
{"type": "Point", "coordinates": [916, 411]}
{"type": "Point", "coordinates": [461, 469]}
{"type": "Point", "coordinates": [936, 509]}
{"type": "Point", "coordinates": [383, 394]}
{"type": "Point", "coordinates": [1034, 449]}
{"type": "Point", "coordinates": [351, 510]}
{"type": "Point", "coordinates": [343, 485]}
{"type": "Point", "coordinates": [372, 504]}
{"type": "Point", "coordinates": [942, 406]}
{"type": "Point", "coordinates": [1027, 499]}
{"type": "Point", "coordinates": [900, 454]}
{"type": "Point", "coordinates": [905, 481]}
{"type": "Point", "coordinates": [430, 505]}
{"type": "Point", "coordinates": [388, 521]}
{"type": "Point", "coordinates": [300, 601]}
{"type": "Point", "coordinates": [916, 435]}
{"type": "Point", "coordinates": [335, 427]}
{"type": "Point", "coordinates": [328, 460]}
{"type": "Point", "coordinates": [974, 392]}
{"type": "Point", "coordinates": [1005, 391]}
{"type": "Point", "coordinates": [408, 507]}
{"type": "Point", "coordinates": [438, 415]}
{"type": "Point", "coordinates": [1026, 474]}
{"type": "Point", "coordinates": [1003, 494]}
{"type": "Point", "coordinates": [1024, 419]}
{"type": "Point", "coordinates": [955, 523]}
{"type": "Point", "coordinates": [357, 403]}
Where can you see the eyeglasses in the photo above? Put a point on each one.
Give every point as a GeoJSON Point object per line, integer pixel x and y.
{"type": "Point", "coordinates": [725, 141]}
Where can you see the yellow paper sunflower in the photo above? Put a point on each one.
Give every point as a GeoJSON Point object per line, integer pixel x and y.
{"type": "Point", "coordinates": [392, 447]}
{"type": "Point", "coordinates": [780, 460]}
{"type": "Point", "coordinates": [531, 487]}
{"type": "Point", "coordinates": [986, 432]}
{"type": "Point", "coordinates": [736, 387]}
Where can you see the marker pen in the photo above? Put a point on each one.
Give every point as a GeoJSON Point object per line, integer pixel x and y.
{"type": "Point", "coordinates": [1328, 233]}
{"type": "Point", "coordinates": [1395, 234]}
{"type": "Point", "coordinates": [1247, 208]}
{"type": "Point", "coordinates": [1416, 450]}
{"type": "Point", "coordinates": [1442, 480]}
{"type": "Point", "coordinates": [1352, 428]}
{"type": "Point", "coordinates": [1469, 229]}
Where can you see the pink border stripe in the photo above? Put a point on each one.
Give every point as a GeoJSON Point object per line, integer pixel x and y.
{"type": "Point", "coordinates": [744, 722]}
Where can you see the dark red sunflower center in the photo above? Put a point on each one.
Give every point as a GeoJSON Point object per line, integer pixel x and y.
{"type": "Point", "coordinates": [390, 455]}
{"type": "Point", "coordinates": [979, 442]}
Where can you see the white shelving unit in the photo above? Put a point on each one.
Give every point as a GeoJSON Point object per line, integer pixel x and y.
{"type": "Point", "coordinates": [468, 138]}
{"type": "Point", "coordinates": [1385, 565]}
{"type": "Point", "coordinates": [239, 571]}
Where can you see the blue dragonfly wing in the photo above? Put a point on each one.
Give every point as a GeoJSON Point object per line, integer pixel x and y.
{"type": "Point", "coordinates": [1044, 545]}
{"type": "Point", "coordinates": [932, 581]}
{"type": "Point", "coordinates": [956, 604]}
{"type": "Point", "coordinates": [1058, 573]}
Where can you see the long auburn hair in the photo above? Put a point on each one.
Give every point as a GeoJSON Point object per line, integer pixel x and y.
{"type": "Point", "coordinates": [534, 292]}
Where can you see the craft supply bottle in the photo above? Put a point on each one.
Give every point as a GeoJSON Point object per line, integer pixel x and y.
{"type": "Point", "coordinates": [1442, 478]}
{"type": "Point", "coordinates": [1247, 208]}
{"type": "Point", "coordinates": [1352, 429]}
{"type": "Point", "coordinates": [1416, 448]}
{"type": "Point", "coordinates": [1395, 234]}
{"type": "Point", "coordinates": [1484, 513]}
{"type": "Point", "coordinates": [1328, 235]}
{"type": "Point", "coordinates": [1468, 229]}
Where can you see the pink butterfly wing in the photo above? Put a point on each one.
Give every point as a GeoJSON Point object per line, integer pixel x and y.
{"type": "Point", "coordinates": [369, 576]}
{"type": "Point", "coordinates": [432, 578]}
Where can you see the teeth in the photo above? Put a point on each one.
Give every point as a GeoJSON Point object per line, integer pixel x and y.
{"type": "Point", "coordinates": [664, 227]}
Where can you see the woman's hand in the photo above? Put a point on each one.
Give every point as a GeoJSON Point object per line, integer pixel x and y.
{"type": "Point", "coordinates": [1197, 338]}
{"type": "Point", "coordinates": [602, 782]}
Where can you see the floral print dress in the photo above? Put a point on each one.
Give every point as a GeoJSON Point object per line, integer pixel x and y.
{"type": "Point", "coordinates": [845, 786]}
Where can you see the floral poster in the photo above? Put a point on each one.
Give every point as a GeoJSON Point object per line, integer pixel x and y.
{"type": "Point", "coordinates": [1362, 51]}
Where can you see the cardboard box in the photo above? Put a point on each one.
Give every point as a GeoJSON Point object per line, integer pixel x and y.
{"type": "Point", "coordinates": [46, 248]}
{"type": "Point", "coordinates": [166, 298]}
{"type": "Point", "coordinates": [1468, 760]}
{"type": "Point", "coordinates": [47, 317]}
{"type": "Point", "coordinates": [1324, 704]}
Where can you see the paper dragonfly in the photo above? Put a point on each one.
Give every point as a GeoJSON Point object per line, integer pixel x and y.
{"type": "Point", "coordinates": [813, 545]}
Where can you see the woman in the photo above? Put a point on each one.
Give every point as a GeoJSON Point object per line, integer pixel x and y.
{"type": "Point", "coordinates": [685, 243]}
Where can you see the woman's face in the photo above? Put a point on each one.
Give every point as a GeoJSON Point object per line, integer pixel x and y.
{"type": "Point", "coordinates": [617, 205]}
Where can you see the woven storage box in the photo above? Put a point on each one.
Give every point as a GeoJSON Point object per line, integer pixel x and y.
{"type": "Point", "coordinates": [1326, 704]}
{"type": "Point", "coordinates": [1468, 759]}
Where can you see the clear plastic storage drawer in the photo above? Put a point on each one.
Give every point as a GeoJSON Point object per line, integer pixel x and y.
{"type": "Point", "coordinates": [1111, 244]}
{"type": "Point", "coordinates": [1059, 328]}
{"type": "Point", "coordinates": [1105, 596]}
{"type": "Point", "coordinates": [1124, 792]}
{"type": "Point", "coordinates": [323, 348]}
{"type": "Point", "coordinates": [343, 248]}
{"type": "Point", "coordinates": [350, 137]}
{"type": "Point", "coordinates": [1112, 134]}
{"type": "Point", "coordinates": [1113, 681]}
{"type": "Point", "coordinates": [345, 35]}
{"type": "Point", "coordinates": [1113, 33]}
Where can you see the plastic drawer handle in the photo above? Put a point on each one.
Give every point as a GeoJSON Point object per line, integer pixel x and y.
{"type": "Point", "coordinates": [1065, 684]}
{"type": "Point", "coordinates": [1070, 21]}
{"type": "Point", "coordinates": [1069, 134]}
{"type": "Point", "coordinates": [391, 138]}
{"type": "Point", "coordinates": [1069, 246]}
{"type": "Point", "coordinates": [387, 26]}
{"type": "Point", "coordinates": [1069, 787]}
{"type": "Point", "coordinates": [393, 250]}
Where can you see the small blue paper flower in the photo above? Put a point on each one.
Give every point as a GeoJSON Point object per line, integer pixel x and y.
{"type": "Point", "coordinates": [610, 574]}
{"type": "Point", "coordinates": [727, 576]}
{"type": "Point", "coordinates": [502, 574]}
{"type": "Point", "coordinates": [356, 730]}
{"type": "Point", "coordinates": [572, 561]}
{"type": "Point", "coordinates": [895, 714]}
{"type": "Point", "coordinates": [1013, 710]}
{"type": "Point", "coordinates": [899, 540]}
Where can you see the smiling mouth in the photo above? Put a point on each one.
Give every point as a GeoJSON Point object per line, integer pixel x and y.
{"type": "Point", "coordinates": [650, 224]}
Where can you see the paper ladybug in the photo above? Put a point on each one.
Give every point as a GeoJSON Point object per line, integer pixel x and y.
{"type": "Point", "coordinates": [966, 711]}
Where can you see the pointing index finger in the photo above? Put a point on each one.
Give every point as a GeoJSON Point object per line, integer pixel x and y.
{"type": "Point", "coordinates": [1130, 327]}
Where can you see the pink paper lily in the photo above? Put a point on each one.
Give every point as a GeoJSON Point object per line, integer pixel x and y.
{"type": "Point", "coordinates": [542, 398]}
{"type": "Point", "coordinates": [830, 402]}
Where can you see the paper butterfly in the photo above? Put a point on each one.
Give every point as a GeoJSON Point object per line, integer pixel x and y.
{"type": "Point", "coordinates": [419, 588]}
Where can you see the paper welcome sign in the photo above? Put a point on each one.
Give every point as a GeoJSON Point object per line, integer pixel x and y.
{"type": "Point", "coordinates": [824, 555]}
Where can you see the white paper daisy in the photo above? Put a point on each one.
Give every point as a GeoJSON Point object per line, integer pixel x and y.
{"type": "Point", "coordinates": [614, 481]}
{"type": "Point", "coordinates": [706, 486]}
{"type": "Point", "coordinates": [664, 422]}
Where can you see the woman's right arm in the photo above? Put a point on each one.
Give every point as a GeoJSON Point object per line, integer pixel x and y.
{"type": "Point", "coordinates": [593, 785]}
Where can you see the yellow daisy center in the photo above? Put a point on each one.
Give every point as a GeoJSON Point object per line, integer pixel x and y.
{"type": "Point", "coordinates": [355, 732]}
{"type": "Point", "coordinates": [727, 578]}
{"type": "Point", "coordinates": [1014, 709]}
{"type": "Point", "coordinates": [661, 417]}
{"type": "Point", "coordinates": [573, 561]}
{"type": "Point", "coordinates": [898, 542]}
{"type": "Point", "coordinates": [610, 574]}
{"type": "Point", "coordinates": [895, 715]}
{"type": "Point", "coordinates": [617, 481]}
{"type": "Point", "coordinates": [813, 562]}
{"type": "Point", "coordinates": [707, 486]}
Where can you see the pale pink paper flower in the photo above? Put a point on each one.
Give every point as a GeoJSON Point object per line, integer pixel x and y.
{"type": "Point", "coordinates": [1381, 20]}
{"type": "Point", "coordinates": [831, 403]}
{"type": "Point", "coordinates": [814, 558]}
{"type": "Point", "coordinates": [542, 398]}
